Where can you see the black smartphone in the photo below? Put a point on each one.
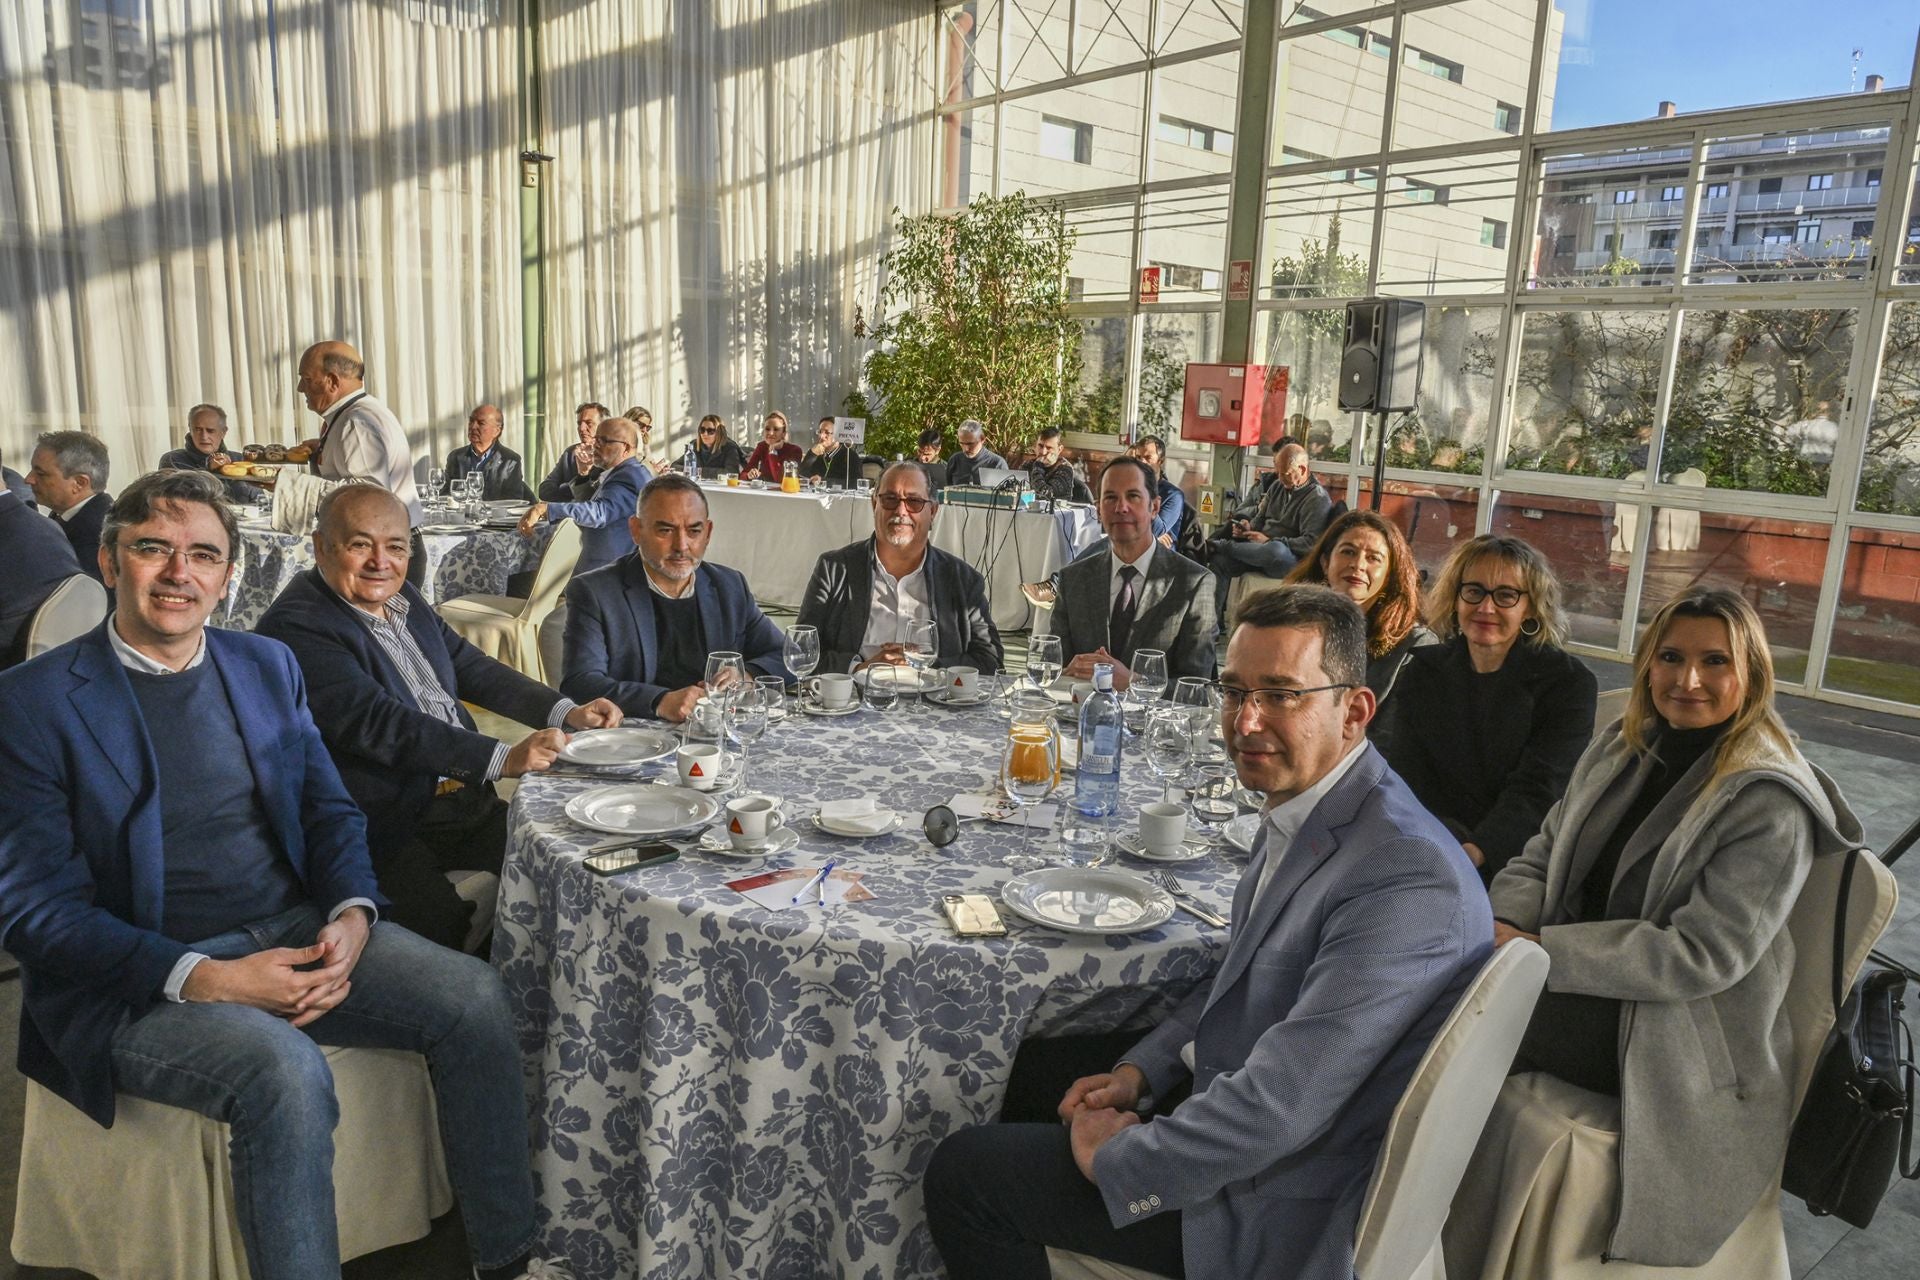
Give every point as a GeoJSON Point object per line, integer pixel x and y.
{"type": "Point", "coordinates": [654, 853]}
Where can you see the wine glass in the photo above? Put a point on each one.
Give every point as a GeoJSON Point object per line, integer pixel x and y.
{"type": "Point", "coordinates": [1144, 689]}
{"type": "Point", "coordinates": [1043, 661]}
{"type": "Point", "coordinates": [1210, 799]}
{"type": "Point", "coordinates": [726, 671]}
{"type": "Point", "coordinates": [1169, 746]}
{"type": "Point", "coordinates": [746, 719]}
{"type": "Point", "coordinates": [436, 481]}
{"type": "Point", "coordinates": [1029, 769]}
{"type": "Point", "coordinates": [922, 647]}
{"type": "Point", "coordinates": [802, 652]}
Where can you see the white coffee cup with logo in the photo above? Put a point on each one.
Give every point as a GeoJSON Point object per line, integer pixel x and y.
{"type": "Point", "coordinates": [832, 691]}
{"type": "Point", "coordinates": [700, 764]}
{"type": "Point", "coordinates": [963, 683]}
{"type": "Point", "coordinates": [1163, 826]}
{"type": "Point", "coordinates": [751, 819]}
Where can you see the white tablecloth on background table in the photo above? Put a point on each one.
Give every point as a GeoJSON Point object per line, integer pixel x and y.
{"type": "Point", "coordinates": [774, 538]}
{"type": "Point", "coordinates": [723, 1090]}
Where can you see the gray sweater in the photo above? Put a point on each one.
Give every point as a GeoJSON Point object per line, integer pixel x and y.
{"type": "Point", "coordinates": [1707, 1074]}
{"type": "Point", "coordinates": [1295, 517]}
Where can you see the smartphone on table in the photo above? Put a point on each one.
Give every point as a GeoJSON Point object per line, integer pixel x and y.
{"type": "Point", "coordinates": [610, 862]}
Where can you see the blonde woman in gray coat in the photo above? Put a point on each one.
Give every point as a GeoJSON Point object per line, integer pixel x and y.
{"type": "Point", "coordinates": [1660, 887]}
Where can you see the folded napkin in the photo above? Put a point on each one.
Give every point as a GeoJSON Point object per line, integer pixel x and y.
{"type": "Point", "coordinates": [861, 816]}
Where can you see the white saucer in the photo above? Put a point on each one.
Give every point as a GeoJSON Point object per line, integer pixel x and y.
{"type": "Point", "coordinates": [893, 825]}
{"type": "Point", "coordinates": [1130, 844]}
{"type": "Point", "coordinates": [946, 699]}
{"type": "Point", "coordinates": [813, 708]}
{"type": "Point", "coordinates": [779, 841]}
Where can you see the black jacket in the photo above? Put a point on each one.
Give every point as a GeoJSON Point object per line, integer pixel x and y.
{"type": "Point", "coordinates": [1490, 773]}
{"type": "Point", "coordinates": [503, 474]}
{"type": "Point", "coordinates": [83, 533]}
{"type": "Point", "coordinates": [839, 600]}
{"type": "Point", "coordinates": [839, 465]}
{"type": "Point", "coordinates": [726, 457]}
{"type": "Point", "coordinates": [34, 559]}
{"type": "Point", "coordinates": [565, 483]}
{"type": "Point", "coordinates": [188, 458]}
{"type": "Point", "coordinates": [390, 753]}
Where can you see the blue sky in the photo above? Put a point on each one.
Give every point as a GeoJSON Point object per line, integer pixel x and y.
{"type": "Point", "coordinates": [1621, 57]}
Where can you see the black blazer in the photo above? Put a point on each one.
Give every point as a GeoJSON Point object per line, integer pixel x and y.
{"type": "Point", "coordinates": [839, 465]}
{"type": "Point", "coordinates": [501, 471]}
{"type": "Point", "coordinates": [1492, 790]}
{"type": "Point", "coordinates": [565, 483]}
{"type": "Point", "coordinates": [83, 533]}
{"type": "Point", "coordinates": [390, 753]}
{"type": "Point", "coordinates": [839, 600]}
{"type": "Point", "coordinates": [725, 456]}
{"type": "Point", "coordinates": [34, 559]}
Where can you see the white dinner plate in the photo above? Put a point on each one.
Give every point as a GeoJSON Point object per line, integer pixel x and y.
{"type": "Point", "coordinates": [1087, 900]}
{"type": "Point", "coordinates": [945, 697]}
{"type": "Point", "coordinates": [513, 505]}
{"type": "Point", "coordinates": [642, 809]}
{"type": "Point", "coordinates": [626, 745]}
{"type": "Point", "coordinates": [813, 708]}
{"type": "Point", "coordinates": [462, 527]}
{"type": "Point", "coordinates": [838, 827]}
{"type": "Point", "coordinates": [1130, 843]}
{"type": "Point", "coordinates": [716, 841]}
{"type": "Point", "coordinates": [1240, 831]}
{"type": "Point", "coordinates": [929, 680]}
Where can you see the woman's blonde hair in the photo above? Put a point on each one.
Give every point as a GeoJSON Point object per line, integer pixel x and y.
{"type": "Point", "coordinates": [1756, 731]}
{"type": "Point", "coordinates": [1542, 587]}
{"type": "Point", "coordinates": [719, 427]}
{"type": "Point", "coordinates": [1395, 608]}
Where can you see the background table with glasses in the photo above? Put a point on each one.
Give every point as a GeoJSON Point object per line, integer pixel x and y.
{"type": "Point", "coordinates": [774, 539]}
{"type": "Point", "coordinates": [463, 562]}
{"type": "Point", "coordinates": [723, 1090]}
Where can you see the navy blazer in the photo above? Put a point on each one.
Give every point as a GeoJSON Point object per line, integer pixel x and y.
{"type": "Point", "coordinates": [390, 753]}
{"type": "Point", "coordinates": [35, 558]}
{"type": "Point", "coordinates": [604, 534]}
{"type": "Point", "coordinates": [17, 485]}
{"type": "Point", "coordinates": [839, 601]}
{"type": "Point", "coordinates": [83, 533]}
{"type": "Point", "coordinates": [82, 868]}
{"type": "Point", "coordinates": [1334, 982]}
{"type": "Point", "coordinates": [501, 473]}
{"type": "Point", "coordinates": [610, 644]}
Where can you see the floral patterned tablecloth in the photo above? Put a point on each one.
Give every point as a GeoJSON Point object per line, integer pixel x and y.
{"type": "Point", "coordinates": [472, 561]}
{"type": "Point", "coordinates": [725, 1090]}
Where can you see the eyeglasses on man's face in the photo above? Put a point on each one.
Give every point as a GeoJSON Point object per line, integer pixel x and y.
{"type": "Point", "coordinates": [1271, 704]}
{"type": "Point", "coordinates": [154, 551]}
{"type": "Point", "coordinates": [604, 441]}
{"type": "Point", "coordinates": [911, 501]}
{"type": "Point", "coordinates": [1504, 597]}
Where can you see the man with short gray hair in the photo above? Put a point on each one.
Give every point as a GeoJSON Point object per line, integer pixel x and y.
{"type": "Point", "coordinates": [500, 470]}
{"type": "Point", "coordinates": [1291, 519]}
{"type": "Point", "coordinates": [206, 450]}
{"type": "Point", "coordinates": [973, 456]}
{"type": "Point", "coordinates": [69, 479]}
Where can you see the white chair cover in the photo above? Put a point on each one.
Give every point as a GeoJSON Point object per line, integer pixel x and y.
{"type": "Point", "coordinates": [75, 608]}
{"type": "Point", "coordinates": [482, 889]}
{"type": "Point", "coordinates": [152, 1197]}
{"type": "Point", "coordinates": [1538, 1198]}
{"type": "Point", "coordinates": [1678, 528]}
{"type": "Point", "coordinates": [1432, 1131]}
{"type": "Point", "coordinates": [507, 627]}
{"type": "Point", "coordinates": [296, 500]}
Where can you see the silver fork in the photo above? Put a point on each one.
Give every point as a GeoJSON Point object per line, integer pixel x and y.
{"type": "Point", "coordinates": [1181, 895]}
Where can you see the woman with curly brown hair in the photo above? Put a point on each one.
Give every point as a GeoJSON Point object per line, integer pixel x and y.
{"type": "Point", "coordinates": [1364, 557]}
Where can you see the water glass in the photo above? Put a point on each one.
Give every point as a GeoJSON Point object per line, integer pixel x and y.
{"type": "Point", "coordinates": [1169, 746]}
{"type": "Point", "coordinates": [1210, 799]}
{"type": "Point", "coordinates": [863, 486]}
{"type": "Point", "coordinates": [1043, 661]}
{"type": "Point", "coordinates": [883, 687]}
{"type": "Point", "coordinates": [774, 689]}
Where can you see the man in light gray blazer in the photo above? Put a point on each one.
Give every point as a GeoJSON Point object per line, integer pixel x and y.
{"type": "Point", "coordinates": [1357, 926]}
{"type": "Point", "coordinates": [1136, 594]}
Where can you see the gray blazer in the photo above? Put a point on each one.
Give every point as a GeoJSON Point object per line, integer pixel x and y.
{"type": "Point", "coordinates": [1706, 1072]}
{"type": "Point", "coordinates": [1334, 982]}
{"type": "Point", "coordinates": [1174, 614]}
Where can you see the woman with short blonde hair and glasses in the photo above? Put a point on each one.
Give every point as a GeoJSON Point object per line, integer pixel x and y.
{"type": "Point", "coordinates": [1487, 725]}
{"type": "Point", "coordinates": [1660, 887]}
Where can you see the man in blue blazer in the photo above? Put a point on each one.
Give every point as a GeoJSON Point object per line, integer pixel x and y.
{"type": "Point", "coordinates": [1355, 929]}
{"type": "Point", "coordinates": [193, 943]}
{"type": "Point", "coordinates": [603, 518]}
{"type": "Point", "coordinates": [639, 631]}
{"type": "Point", "coordinates": [388, 682]}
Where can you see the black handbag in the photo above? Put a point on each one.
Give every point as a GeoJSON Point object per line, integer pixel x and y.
{"type": "Point", "coordinates": [1854, 1132]}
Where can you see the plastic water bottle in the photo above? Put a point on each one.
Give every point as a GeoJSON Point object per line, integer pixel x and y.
{"type": "Point", "coordinates": [692, 463]}
{"type": "Point", "coordinates": [1096, 779]}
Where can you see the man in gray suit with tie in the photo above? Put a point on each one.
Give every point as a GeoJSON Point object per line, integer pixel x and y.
{"type": "Point", "coordinates": [1355, 929]}
{"type": "Point", "coordinates": [1136, 594]}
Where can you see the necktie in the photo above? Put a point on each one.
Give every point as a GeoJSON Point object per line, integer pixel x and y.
{"type": "Point", "coordinates": [1120, 625]}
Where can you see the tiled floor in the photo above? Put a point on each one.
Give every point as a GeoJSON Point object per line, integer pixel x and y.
{"type": "Point", "coordinates": [1873, 756]}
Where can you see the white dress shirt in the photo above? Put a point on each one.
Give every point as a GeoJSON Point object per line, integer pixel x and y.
{"type": "Point", "coordinates": [1285, 819]}
{"type": "Point", "coordinates": [364, 441]}
{"type": "Point", "coordinates": [894, 603]}
{"type": "Point", "coordinates": [1115, 564]}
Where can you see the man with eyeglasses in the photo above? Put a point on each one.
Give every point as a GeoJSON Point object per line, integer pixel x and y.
{"type": "Point", "coordinates": [602, 517]}
{"type": "Point", "coordinates": [863, 596]}
{"type": "Point", "coordinates": [1136, 594]}
{"type": "Point", "coordinates": [194, 943]}
{"type": "Point", "coordinates": [973, 456]}
{"type": "Point", "coordinates": [828, 461]}
{"type": "Point", "coordinates": [1238, 1137]}
{"type": "Point", "coordinates": [389, 683]}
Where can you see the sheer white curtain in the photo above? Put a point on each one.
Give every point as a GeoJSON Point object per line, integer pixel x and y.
{"type": "Point", "coordinates": [194, 190]}
{"type": "Point", "coordinates": [724, 179]}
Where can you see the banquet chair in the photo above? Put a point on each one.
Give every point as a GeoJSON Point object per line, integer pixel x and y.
{"type": "Point", "coordinates": [75, 608]}
{"type": "Point", "coordinates": [1431, 1134]}
{"type": "Point", "coordinates": [508, 627]}
{"type": "Point", "coordinates": [153, 1196]}
{"type": "Point", "coordinates": [1538, 1197]}
{"type": "Point", "coordinates": [482, 889]}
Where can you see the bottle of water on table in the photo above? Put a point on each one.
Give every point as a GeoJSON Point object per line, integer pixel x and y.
{"type": "Point", "coordinates": [1096, 779]}
{"type": "Point", "coordinates": [692, 463]}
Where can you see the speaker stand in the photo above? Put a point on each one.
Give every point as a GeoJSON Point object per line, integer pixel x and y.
{"type": "Point", "coordinates": [1379, 457]}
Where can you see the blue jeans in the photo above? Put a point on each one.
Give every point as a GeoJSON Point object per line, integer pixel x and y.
{"type": "Point", "coordinates": [1231, 559]}
{"type": "Point", "coordinates": [270, 1082]}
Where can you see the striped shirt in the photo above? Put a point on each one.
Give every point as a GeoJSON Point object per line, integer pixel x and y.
{"type": "Point", "coordinates": [390, 633]}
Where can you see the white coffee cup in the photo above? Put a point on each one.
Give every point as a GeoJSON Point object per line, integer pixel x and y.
{"type": "Point", "coordinates": [700, 764]}
{"type": "Point", "coordinates": [1163, 826]}
{"type": "Point", "coordinates": [963, 683]}
{"type": "Point", "coordinates": [751, 819]}
{"type": "Point", "coordinates": [1082, 690]}
{"type": "Point", "coordinates": [832, 691]}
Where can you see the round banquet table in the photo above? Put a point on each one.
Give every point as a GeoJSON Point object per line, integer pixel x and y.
{"type": "Point", "coordinates": [719, 1089]}
{"type": "Point", "coordinates": [465, 561]}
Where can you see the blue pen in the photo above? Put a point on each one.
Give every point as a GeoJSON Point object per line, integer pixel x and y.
{"type": "Point", "coordinates": [819, 878]}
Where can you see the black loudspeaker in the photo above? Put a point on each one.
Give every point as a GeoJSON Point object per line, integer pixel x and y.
{"type": "Point", "coordinates": [1380, 361]}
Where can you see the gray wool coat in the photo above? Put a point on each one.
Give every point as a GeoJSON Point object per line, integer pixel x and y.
{"type": "Point", "coordinates": [1707, 1067]}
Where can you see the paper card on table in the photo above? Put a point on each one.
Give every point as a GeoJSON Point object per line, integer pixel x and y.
{"type": "Point", "coordinates": [997, 810]}
{"type": "Point", "coordinates": [774, 890]}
